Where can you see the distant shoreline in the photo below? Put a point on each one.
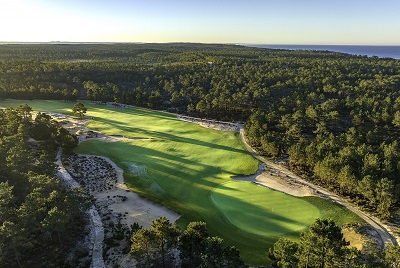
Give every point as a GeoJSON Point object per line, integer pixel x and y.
{"type": "Point", "coordinates": [362, 50]}
{"type": "Point", "coordinates": [381, 51]}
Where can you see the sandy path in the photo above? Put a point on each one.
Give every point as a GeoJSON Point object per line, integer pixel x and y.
{"type": "Point", "coordinates": [96, 235]}
{"type": "Point", "coordinates": [139, 209]}
{"type": "Point", "coordinates": [114, 201]}
{"type": "Point", "coordinates": [281, 179]}
{"type": "Point", "coordinates": [116, 204]}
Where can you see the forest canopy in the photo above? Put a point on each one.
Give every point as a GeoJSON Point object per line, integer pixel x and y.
{"type": "Point", "coordinates": [39, 219]}
{"type": "Point", "coordinates": [336, 116]}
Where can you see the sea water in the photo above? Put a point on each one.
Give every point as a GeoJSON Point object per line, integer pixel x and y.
{"type": "Point", "coordinates": [370, 51]}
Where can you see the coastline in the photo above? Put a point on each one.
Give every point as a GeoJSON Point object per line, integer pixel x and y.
{"type": "Point", "coordinates": [380, 51]}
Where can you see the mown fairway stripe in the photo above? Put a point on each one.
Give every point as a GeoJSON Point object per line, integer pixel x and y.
{"type": "Point", "coordinates": [263, 211]}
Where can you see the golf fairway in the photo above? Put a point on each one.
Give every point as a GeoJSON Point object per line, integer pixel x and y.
{"type": "Point", "coordinates": [262, 211]}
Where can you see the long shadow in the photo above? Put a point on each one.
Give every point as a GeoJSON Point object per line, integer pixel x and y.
{"type": "Point", "coordinates": [271, 220]}
{"type": "Point", "coordinates": [136, 112]}
{"type": "Point", "coordinates": [182, 184]}
{"type": "Point", "coordinates": [171, 137]}
{"type": "Point", "coordinates": [149, 155]}
{"type": "Point", "coordinates": [165, 162]}
{"type": "Point", "coordinates": [190, 185]}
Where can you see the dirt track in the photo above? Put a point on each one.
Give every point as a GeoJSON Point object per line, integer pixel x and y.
{"type": "Point", "coordinates": [383, 232]}
{"type": "Point", "coordinates": [111, 194]}
{"type": "Point", "coordinates": [96, 235]}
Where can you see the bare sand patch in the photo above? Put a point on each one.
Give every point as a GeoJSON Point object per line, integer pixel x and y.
{"type": "Point", "coordinates": [354, 238]}
{"type": "Point", "coordinates": [275, 182]}
{"type": "Point", "coordinates": [272, 178]}
{"type": "Point", "coordinates": [78, 127]}
{"type": "Point", "coordinates": [213, 124]}
{"type": "Point", "coordinates": [384, 233]}
{"type": "Point", "coordinates": [118, 207]}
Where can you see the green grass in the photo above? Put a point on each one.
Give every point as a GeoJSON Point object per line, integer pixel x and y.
{"type": "Point", "coordinates": [187, 168]}
{"type": "Point", "coordinates": [334, 211]}
{"type": "Point", "coordinates": [263, 211]}
{"type": "Point", "coordinates": [41, 105]}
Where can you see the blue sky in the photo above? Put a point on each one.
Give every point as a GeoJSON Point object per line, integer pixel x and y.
{"type": "Point", "coordinates": [208, 21]}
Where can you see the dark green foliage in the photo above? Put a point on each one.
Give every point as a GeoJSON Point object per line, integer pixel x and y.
{"type": "Point", "coordinates": [198, 249]}
{"type": "Point", "coordinates": [322, 246]}
{"type": "Point", "coordinates": [143, 247]}
{"type": "Point", "coordinates": [165, 238]}
{"type": "Point", "coordinates": [346, 140]}
{"type": "Point", "coordinates": [220, 81]}
{"type": "Point", "coordinates": [39, 219]}
{"type": "Point", "coordinates": [79, 109]}
{"type": "Point", "coordinates": [191, 243]}
{"type": "Point", "coordinates": [392, 256]}
{"type": "Point", "coordinates": [283, 253]}
{"type": "Point", "coordinates": [153, 247]}
{"type": "Point", "coordinates": [212, 255]}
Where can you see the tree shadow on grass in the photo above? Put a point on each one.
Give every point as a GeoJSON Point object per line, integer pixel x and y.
{"type": "Point", "coordinates": [255, 219]}
{"type": "Point", "coordinates": [135, 112]}
{"type": "Point", "coordinates": [168, 136]}
{"type": "Point", "coordinates": [191, 182]}
{"type": "Point", "coordinates": [174, 173]}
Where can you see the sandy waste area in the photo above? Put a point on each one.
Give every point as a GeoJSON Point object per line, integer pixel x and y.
{"type": "Point", "coordinates": [117, 206]}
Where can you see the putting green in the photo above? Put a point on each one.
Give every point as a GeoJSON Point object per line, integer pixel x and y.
{"type": "Point", "coordinates": [187, 168]}
{"type": "Point", "coordinates": [262, 211]}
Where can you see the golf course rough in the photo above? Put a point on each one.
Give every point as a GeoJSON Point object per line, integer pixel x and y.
{"type": "Point", "coordinates": [262, 211]}
{"type": "Point", "coordinates": [188, 168]}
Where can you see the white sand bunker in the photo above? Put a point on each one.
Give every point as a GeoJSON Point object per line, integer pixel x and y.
{"type": "Point", "coordinates": [78, 127]}
{"type": "Point", "coordinates": [103, 179]}
{"type": "Point", "coordinates": [214, 124]}
{"type": "Point", "coordinates": [274, 179]}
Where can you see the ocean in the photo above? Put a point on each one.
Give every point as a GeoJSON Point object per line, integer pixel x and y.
{"type": "Point", "coordinates": [370, 51]}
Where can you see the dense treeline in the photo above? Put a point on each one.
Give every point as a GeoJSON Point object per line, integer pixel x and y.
{"type": "Point", "coordinates": [344, 135]}
{"type": "Point", "coordinates": [322, 246]}
{"type": "Point", "coordinates": [159, 246]}
{"type": "Point", "coordinates": [40, 220]}
{"type": "Point", "coordinates": [336, 116]}
{"type": "Point", "coordinates": [210, 80]}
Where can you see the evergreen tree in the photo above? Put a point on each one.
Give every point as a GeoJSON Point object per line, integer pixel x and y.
{"type": "Point", "coordinates": [79, 109]}
{"type": "Point", "coordinates": [284, 253]}
{"type": "Point", "coordinates": [192, 243]}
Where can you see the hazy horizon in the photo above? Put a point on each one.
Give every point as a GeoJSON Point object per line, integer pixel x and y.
{"type": "Point", "coordinates": [185, 42]}
{"type": "Point", "coordinates": [307, 22]}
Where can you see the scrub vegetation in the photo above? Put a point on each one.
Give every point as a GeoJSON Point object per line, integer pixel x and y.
{"type": "Point", "coordinates": [188, 168]}
{"type": "Point", "coordinates": [334, 116]}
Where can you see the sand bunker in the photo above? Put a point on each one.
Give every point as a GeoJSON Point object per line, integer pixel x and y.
{"type": "Point", "coordinates": [103, 179]}
{"type": "Point", "coordinates": [213, 124]}
{"type": "Point", "coordinates": [274, 179]}
{"type": "Point", "coordinates": [286, 181]}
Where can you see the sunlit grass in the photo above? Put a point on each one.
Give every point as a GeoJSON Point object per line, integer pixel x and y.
{"type": "Point", "coordinates": [263, 211]}
{"type": "Point", "coordinates": [188, 168]}
{"type": "Point", "coordinates": [41, 105]}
